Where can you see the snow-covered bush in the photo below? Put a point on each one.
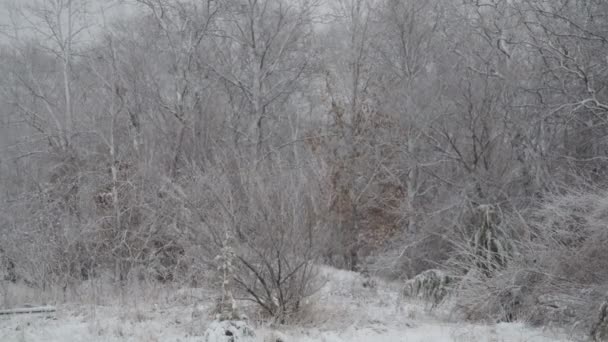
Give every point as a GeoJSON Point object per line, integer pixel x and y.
{"type": "Point", "coordinates": [431, 285]}
{"type": "Point", "coordinates": [226, 307]}
{"type": "Point", "coordinates": [599, 331]}
{"type": "Point", "coordinates": [272, 216]}
{"type": "Point", "coordinates": [229, 331]}
{"type": "Point", "coordinates": [484, 244]}
{"type": "Point", "coordinates": [7, 268]}
{"type": "Point", "coordinates": [489, 244]}
{"type": "Point", "coordinates": [496, 299]}
{"type": "Point", "coordinates": [567, 245]}
{"type": "Point", "coordinates": [556, 272]}
{"type": "Point", "coordinates": [483, 251]}
{"type": "Point", "coordinates": [276, 252]}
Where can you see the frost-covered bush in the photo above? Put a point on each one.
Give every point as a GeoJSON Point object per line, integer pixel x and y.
{"type": "Point", "coordinates": [226, 308]}
{"type": "Point", "coordinates": [273, 219]}
{"type": "Point", "coordinates": [229, 331]}
{"type": "Point", "coordinates": [431, 285]}
{"type": "Point", "coordinates": [599, 331]}
{"type": "Point", "coordinates": [567, 243]}
{"type": "Point", "coordinates": [485, 246]}
{"type": "Point", "coordinates": [557, 271]}
{"type": "Point", "coordinates": [497, 299]}
{"type": "Point", "coordinates": [483, 252]}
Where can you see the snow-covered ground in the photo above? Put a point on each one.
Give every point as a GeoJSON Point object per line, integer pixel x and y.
{"type": "Point", "coordinates": [343, 311]}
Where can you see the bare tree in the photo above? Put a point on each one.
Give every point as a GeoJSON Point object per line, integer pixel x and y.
{"type": "Point", "coordinates": [261, 56]}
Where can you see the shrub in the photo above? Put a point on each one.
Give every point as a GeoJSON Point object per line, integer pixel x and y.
{"type": "Point", "coordinates": [273, 216]}
{"type": "Point", "coordinates": [557, 268]}
{"type": "Point", "coordinates": [431, 285]}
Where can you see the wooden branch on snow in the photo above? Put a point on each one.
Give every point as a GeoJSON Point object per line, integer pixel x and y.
{"type": "Point", "coordinates": [32, 310]}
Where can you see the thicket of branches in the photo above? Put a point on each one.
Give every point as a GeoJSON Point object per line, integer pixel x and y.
{"type": "Point", "coordinates": [365, 134]}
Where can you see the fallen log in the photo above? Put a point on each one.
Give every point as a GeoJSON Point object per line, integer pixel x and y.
{"type": "Point", "coordinates": [30, 310]}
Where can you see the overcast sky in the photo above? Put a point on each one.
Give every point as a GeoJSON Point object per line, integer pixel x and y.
{"type": "Point", "coordinates": [100, 9]}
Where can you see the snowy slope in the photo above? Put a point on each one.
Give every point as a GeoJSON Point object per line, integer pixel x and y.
{"type": "Point", "coordinates": [344, 311]}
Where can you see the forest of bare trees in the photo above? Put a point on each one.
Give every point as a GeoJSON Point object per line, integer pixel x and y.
{"type": "Point", "coordinates": [243, 142]}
